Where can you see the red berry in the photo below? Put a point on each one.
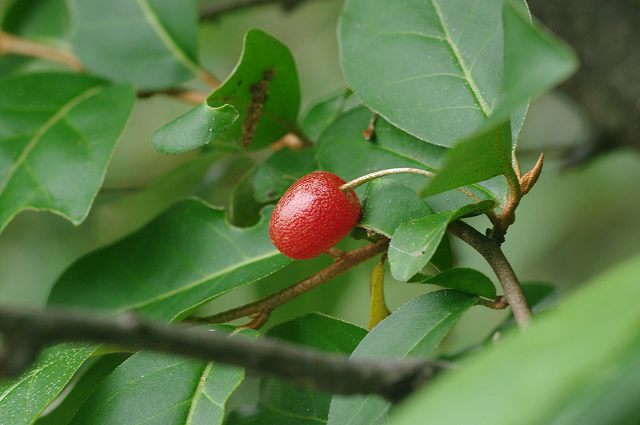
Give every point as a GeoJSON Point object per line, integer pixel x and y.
{"type": "Point", "coordinates": [313, 215]}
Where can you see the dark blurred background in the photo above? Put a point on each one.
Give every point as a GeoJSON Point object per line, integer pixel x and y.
{"type": "Point", "coordinates": [574, 224]}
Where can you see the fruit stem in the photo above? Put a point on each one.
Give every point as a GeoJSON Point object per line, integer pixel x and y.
{"type": "Point", "coordinates": [368, 177]}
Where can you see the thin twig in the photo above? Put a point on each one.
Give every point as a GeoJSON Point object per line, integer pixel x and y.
{"type": "Point", "coordinates": [27, 331]}
{"type": "Point", "coordinates": [490, 250]}
{"type": "Point", "coordinates": [193, 97]}
{"type": "Point", "coordinates": [389, 171]}
{"type": "Point", "coordinates": [217, 8]}
{"type": "Point", "coordinates": [268, 304]}
{"type": "Point", "coordinates": [10, 44]}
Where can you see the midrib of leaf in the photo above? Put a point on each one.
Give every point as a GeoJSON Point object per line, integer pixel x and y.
{"type": "Point", "coordinates": [475, 90]}
{"type": "Point", "coordinates": [33, 142]}
{"type": "Point", "coordinates": [166, 38]}
{"type": "Point", "coordinates": [200, 282]}
{"type": "Point", "coordinates": [198, 393]}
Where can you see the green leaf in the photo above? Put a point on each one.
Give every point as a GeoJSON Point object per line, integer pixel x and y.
{"type": "Point", "coordinates": [264, 416]}
{"type": "Point", "coordinates": [342, 142]}
{"type": "Point", "coordinates": [575, 365]}
{"type": "Point", "coordinates": [465, 280]}
{"type": "Point", "coordinates": [282, 169]}
{"type": "Point", "coordinates": [484, 155]}
{"type": "Point", "coordinates": [234, 114]}
{"type": "Point", "coordinates": [56, 138]}
{"type": "Point", "coordinates": [323, 113]}
{"type": "Point", "coordinates": [415, 242]}
{"type": "Point", "coordinates": [82, 389]}
{"type": "Point", "coordinates": [414, 330]}
{"type": "Point", "coordinates": [42, 20]}
{"type": "Point", "coordinates": [387, 205]}
{"type": "Point", "coordinates": [185, 257]}
{"type": "Point", "coordinates": [150, 43]}
{"type": "Point", "coordinates": [321, 333]}
{"type": "Point", "coordinates": [22, 400]}
{"type": "Point", "coordinates": [161, 389]}
{"type": "Point", "coordinates": [433, 68]}
{"type": "Point", "coordinates": [194, 128]}
{"type": "Point", "coordinates": [534, 61]}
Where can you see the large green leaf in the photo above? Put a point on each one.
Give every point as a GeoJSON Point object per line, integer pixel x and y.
{"type": "Point", "coordinates": [57, 134]}
{"type": "Point", "coordinates": [319, 332]}
{"type": "Point", "coordinates": [433, 68]}
{"type": "Point", "coordinates": [22, 400]}
{"type": "Point", "coordinates": [82, 389]}
{"type": "Point", "coordinates": [183, 258]}
{"type": "Point", "coordinates": [415, 242]}
{"type": "Point", "coordinates": [160, 389]}
{"type": "Point", "coordinates": [342, 143]}
{"type": "Point", "coordinates": [150, 43]}
{"type": "Point", "coordinates": [415, 329]}
{"type": "Point", "coordinates": [575, 365]}
{"type": "Point", "coordinates": [257, 104]}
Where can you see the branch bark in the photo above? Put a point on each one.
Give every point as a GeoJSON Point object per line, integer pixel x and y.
{"type": "Point", "coordinates": [263, 307]}
{"type": "Point", "coordinates": [217, 8]}
{"type": "Point", "coordinates": [27, 331]}
{"type": "Point", "coordinates": [490, 250]}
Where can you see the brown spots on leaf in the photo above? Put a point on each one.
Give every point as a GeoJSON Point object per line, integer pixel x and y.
{"type": "Point", "coordinates": [259, 92]}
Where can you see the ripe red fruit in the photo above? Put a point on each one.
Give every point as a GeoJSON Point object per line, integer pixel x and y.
{"type": "Point", "coordinates": [313, 215]}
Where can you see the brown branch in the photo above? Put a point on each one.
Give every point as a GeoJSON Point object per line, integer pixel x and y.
{"type": "Point", "coordinates": [10, 44]}
{"type": "Point", "coordinates": [193, 97]}
{"type": "Point", "coordinates": [217, 8]}
{"type": "Point", "coordinates": [266, 305]}
{"type": "Point", "coordinates": [27, 331]}
{"type": "Point", "coordinates": [490, 250]}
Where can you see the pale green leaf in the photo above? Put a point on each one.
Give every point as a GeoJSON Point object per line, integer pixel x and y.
{"type": "Point", "coordinates": [575, 365]}
{"type": "Point", "coordinates": [150, 43]}
{"type": "Point", "coordinates": [185, 257]}
{"type": "Point", "coordinates": [57, 134]}
{"type": "Point", "coordinates": [415, 329]}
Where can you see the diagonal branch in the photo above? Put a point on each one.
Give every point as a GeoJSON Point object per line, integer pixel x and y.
{"type": "Point", "coordinates": [490, 250]}
{"type": "Point", "coordinates": [262, 308]}
{"type": "Point", "coordinates": [27, 331]}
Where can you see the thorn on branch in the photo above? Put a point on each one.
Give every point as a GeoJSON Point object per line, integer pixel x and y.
{"type": "Point", "coordinates": [369, 133]}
